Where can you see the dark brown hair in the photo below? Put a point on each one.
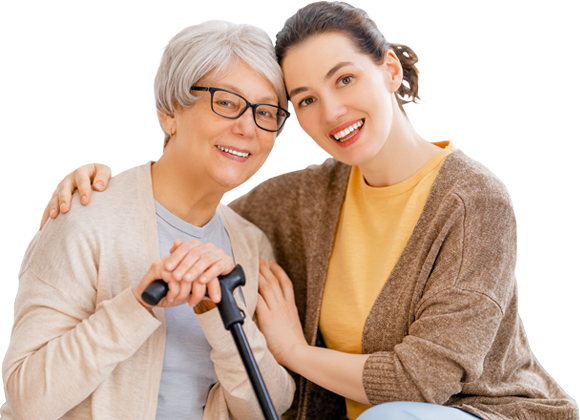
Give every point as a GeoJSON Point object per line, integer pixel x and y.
{"type": "Point", "coordinates": [323, 17]}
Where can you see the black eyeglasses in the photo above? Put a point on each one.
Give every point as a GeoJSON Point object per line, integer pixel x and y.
{"type": "Point", "coordinates": [231, 105]}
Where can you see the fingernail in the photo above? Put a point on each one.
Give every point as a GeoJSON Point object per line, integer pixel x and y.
{"type": "Point", "coordinates": [52, 212]}
{"type": "Point", "coordinates": [99, 185]}
{"type": "Point", "coordinates": [187, 276]}
{"type": "Point", "coordinates": [178, 274]}
{"type": "Point", "coordinates": [169, 266]}
{"type": "Point", "coordinates": [62, 206]}
{"type": "Point", "coordinates": [84, 199]}
{"type": "Point", "coordinates": [202, 280]}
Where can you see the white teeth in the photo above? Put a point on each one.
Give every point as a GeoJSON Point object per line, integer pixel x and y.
{"type": "Point", "coordinates": [232, 152]}
{"type": "Point", "coordinates": [348, 130]}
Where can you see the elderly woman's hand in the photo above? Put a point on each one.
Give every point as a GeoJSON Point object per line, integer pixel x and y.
{"type": "Point", "coordinates": [94, 173]}
{"type": "Point", "coordinates": [277, 313]}
{"type": "Point", "coordinates": [189, 269]}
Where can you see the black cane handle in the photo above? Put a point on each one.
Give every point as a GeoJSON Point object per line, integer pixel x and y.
{"type": "Point", "coordinates": [228, 282]}
{"type": "Point", "coordinates": [155, 292]}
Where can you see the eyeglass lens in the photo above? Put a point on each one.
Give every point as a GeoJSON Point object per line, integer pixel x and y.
{"type": "Point", "coordinates": [229, 105]}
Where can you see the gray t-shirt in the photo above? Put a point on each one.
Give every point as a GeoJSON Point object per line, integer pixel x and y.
{"type": "Point", "coordinates": [188, 372]}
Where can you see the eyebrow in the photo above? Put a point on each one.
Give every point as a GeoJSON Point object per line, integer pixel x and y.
{"type": "Point", "coordinates": [261, 100]}
{"type": "Point", "coordinates": [328, 76]}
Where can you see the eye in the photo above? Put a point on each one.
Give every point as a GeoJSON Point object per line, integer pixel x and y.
{"type": "Point", "coordinates": [265, 113]}
{"type": "Point", "coordinates": [343, 81]}
{"type": "Point", "coordinates": [305, 102]}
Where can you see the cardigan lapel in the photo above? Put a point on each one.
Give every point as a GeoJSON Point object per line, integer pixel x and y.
{"type": "Point", "coordinates": [392, 312]}
{"type": "Point", "coordinates": [319, 239]}
{"type": "Point", "coordinates": [156, 342]}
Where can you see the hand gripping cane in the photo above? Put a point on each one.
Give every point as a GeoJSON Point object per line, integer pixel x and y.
{"type": "Point", "coordinates": [233, 318]}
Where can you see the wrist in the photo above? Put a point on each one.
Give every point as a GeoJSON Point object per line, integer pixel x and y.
{"type": "Point", "coordinates": [137, 293]}
{"type": "Point", "coordinates": [291, 358]}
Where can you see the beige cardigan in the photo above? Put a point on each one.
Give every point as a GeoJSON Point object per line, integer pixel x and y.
{"type": "Point", "coordinates": [445, 327]}
{"type": "Point", "coordinates": [82, 347]}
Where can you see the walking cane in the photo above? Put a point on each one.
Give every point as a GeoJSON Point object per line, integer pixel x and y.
{"type": "Point", "coordinates": [233, 318]}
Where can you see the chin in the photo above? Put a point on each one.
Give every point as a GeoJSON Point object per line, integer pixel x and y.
{"type": "Point", "coordinates": [231, 181]}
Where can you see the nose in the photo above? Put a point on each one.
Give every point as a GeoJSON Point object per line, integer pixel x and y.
{"type": "Point", "coordinates": [245, 125]}
{"type": "Point", "coordinates": [333, 108]}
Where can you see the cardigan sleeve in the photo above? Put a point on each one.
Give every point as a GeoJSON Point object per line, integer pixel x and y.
{"type": "Point", "coordinates": [460, 310]}
{"type": "Point", "coordinates": [62, 346]}
{"type": "Point", "coordinates": [234, 387]}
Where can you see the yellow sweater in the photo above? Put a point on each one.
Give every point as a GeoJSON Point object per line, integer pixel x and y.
{"type": "Point", "coordinates": [374, 227]}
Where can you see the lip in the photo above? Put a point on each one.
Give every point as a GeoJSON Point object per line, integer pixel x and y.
{"type": "Point", "coordinates": [352, 140]}
{"type": "Point", "coordinates": [234, 148]}
{"type": "Point", "coordinates": [233, 157]}
{"type": "Point", "coordinates": [343, 126]}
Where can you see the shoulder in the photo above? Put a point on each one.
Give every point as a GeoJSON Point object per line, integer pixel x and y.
{"type": "Point", "coordinates": [242, 230]}
{"type": "Point", "coordinates": [81, 233]}
{"type": "Point", "coordinates": [293, 191]}
{"type": "Point", "coordinates": [118, 202]}
{"type": "Point", "coordinates": [471, 182]}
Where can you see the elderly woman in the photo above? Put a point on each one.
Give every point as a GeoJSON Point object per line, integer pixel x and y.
{"type": "Point", "coordinates": [84, 344]}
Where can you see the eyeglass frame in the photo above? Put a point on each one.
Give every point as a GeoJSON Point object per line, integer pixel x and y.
{"type": "Point", "coordinates": [248, 105]}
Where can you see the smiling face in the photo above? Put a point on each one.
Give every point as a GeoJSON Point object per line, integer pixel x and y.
{"type": "Point", "coordinates": [342, 98]}
{"type": "Point", "coordinates": [211, 148]}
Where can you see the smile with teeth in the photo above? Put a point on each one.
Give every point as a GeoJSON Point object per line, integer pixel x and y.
{"type": "Point", "coordinates": [344, 134]}
{"type": "Point", "coordinates": [232, 152]}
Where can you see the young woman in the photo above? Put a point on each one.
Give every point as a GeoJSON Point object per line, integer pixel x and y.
{"type": "Point", "coordinates": [84, 343]}
{"type": "Point", "coordinates": [395, 286]}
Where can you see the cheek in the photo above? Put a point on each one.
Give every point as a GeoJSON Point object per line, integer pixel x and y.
{"type": "Point", "coordinates": [266, 142]}
{"type": "Point", "coordinates": [309, 123]}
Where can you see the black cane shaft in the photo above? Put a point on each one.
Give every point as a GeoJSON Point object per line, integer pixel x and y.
{"type": "Point", "coordinates": [253, 372]}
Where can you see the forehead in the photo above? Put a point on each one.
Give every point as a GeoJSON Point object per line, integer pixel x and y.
{"type": "Point", "coordinates": [311, 60]}
{"type": "Point", "coordinates": [243, 80]}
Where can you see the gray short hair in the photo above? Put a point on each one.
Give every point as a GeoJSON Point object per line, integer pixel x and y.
{"type": "Point", "coordinates": [213, 46]}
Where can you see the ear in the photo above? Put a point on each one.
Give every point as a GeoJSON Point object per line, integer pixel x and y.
{"type": "Point", "coordinates": [167, 122]}
{"type": "Point", "coordinates": [393, 70]}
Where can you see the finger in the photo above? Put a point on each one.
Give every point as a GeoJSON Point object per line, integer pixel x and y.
{"type": "Point", "coordinates": [272, 280]}
{"type": "Point", "coordinates": [197, 293]}
{"type": "Point", "coordinates": [184, 291]}
{"type": "Point", "coordinates": [197, 262]}
{"type": "Point", "coordinates": [176, 244]}
{"type": "Point", "coordinates": [64, 193]}
{"type": "Point", "coordinates": [53, 204]}
{"type": "Point", "coordinates": [82, 181]}
{"type": "Point", "coordinates": [265, 289]}
{"type": "Point", "coordinates": [261, 306]}
{"type": "Point", "coordinates": [285, 282]}
{"type": "Point", "coordinates": [173, 292]}
{"type": "Point", "coordinates": [214, 290]}
{"type": "Point", "coordinates": [188, 268]}
{"type": "Point", "coordinates": [220, 267]}
{"type": "Point", "coordinates": [101, 177]}
{"type": "Point", "coordinates": [176, 256]}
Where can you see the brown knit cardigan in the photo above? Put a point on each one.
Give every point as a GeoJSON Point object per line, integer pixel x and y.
{"type": "Point", "coordinates": [445, 327]}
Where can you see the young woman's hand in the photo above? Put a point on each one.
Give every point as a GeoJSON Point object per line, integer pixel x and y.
{"type": "Point", "coordinates": [190, 269]}
{"type": "Point", "coordinates": [94, 173]}
{"type": "Point", "coordinates": [277, 313]}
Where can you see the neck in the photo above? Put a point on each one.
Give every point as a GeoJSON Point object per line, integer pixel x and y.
{"type": "Point", "coordinates": [183, 192]}
{"type": "Point", "coordinates": [402, 155]}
